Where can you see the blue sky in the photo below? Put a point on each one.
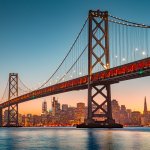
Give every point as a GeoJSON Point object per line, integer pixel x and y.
{"type": "Point", "coordinates": [35, 35]}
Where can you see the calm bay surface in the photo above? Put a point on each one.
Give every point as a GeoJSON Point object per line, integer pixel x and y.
{"type": "Point", "coordinates": [74, 139]}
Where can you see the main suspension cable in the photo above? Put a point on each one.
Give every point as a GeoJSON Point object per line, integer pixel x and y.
{"type": "Point", "coordinates": [65, 56]}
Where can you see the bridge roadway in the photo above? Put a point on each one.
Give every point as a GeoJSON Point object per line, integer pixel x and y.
{"type": "Point", "coordinates": [128, 71]}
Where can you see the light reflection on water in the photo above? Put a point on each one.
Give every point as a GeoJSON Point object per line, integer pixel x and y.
{"type": "Point", "coordinates": [74, 139]}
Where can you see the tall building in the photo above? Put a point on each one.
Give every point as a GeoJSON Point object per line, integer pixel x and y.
{"type": "Point", "coordinates": [123, 115]}
{"type": "Point", "coordinates": [44, 107]}
{"type": "Point", "coordinates": [123, 108]}
{"type": "Point", "coordinates": [145, 119]}
{"type": "Point", "coordinates": [115, 110]}
{"type": "Point", "coordinates": [115, 106]}
{"type": "Point", "coordinates": [55, 106]}
{"type": "Point", "coordinates": [80, 112]}
{"type": "Point", "coordinates": [64, 107]}
{"type": "Point", "coordinates": [136, 118]}
{"type": "Point", "coordinates": [80, 106]}
{"type": "Point", "coordinates": [145, 106]}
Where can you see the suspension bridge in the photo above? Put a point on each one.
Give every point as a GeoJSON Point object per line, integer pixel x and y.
{"type": "Point", "coordinates": [107, 50]}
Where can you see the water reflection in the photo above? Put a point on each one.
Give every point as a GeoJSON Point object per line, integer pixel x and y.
{"type": "Point", "coordinates": [74, 139]}
{"type": "Point", "coordinates": [103, 142]}
{"type": "Point", "coordinates": [92, 141]}
{"type": "Point", "coordinates": [118, 139]}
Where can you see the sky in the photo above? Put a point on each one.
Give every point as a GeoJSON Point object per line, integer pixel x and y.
{"type": "Point", "coordinates": [35, 35]}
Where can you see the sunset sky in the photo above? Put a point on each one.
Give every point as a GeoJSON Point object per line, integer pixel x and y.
{"type": "Point", "coordinates": [35, 35]}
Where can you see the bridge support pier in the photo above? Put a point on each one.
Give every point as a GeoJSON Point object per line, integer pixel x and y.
{"type": "Point", "coordinates": [12, 116]}
{"type": "Point", "coordinates": [100, 112]}
{"type": "Point", "coordinates": [1, 118]}
{"type": "Point", "coordinates": [99, 97]}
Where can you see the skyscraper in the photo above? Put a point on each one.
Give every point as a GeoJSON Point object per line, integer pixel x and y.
{"type": "Point", "coordinates": [145, 106]}
{"type": "Point", "coordinates": [44, 107]}
{"type": "Point", "coordinates": [55, 106]}
{"type": "Point", "coordinates": [115, 110]}
{"type": "Point", "coordinates": [80, 112]}
{"type": "Point", "coordinates": [64, 107]}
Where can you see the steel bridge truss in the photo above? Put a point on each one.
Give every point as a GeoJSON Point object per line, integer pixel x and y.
{"type": "Point", "coordinates": [99, 97]}
{"type": "Point", "coordinates": [13, 92]}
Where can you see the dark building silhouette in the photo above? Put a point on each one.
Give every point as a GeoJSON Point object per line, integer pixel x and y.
{"type": "Point", "coordinates": [145, 106]}
{"type": "Point", "coordinates": [44, 107]}
{"type": "Point", "coordinates": [55, 107]}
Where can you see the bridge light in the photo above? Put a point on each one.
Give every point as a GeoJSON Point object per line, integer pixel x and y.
{"type": "Point", "coordinates": [136, 49]}
{"type": "Point", "coordinates": [105, 66]}
{"type": "Point", "coordinates": [70, 76]}
{"type": "Point", "coordinates": [141, 72]}
{"type": "Point", "coordinates": [143, 53]}
{"type": "Point", "coordinates": [123, 59]}
{"type": "Point", "coordinates": [116, 56]}
{"type": "Point", "coordinates": [80, 73]}
{"type": "Point", "coordinates": [74, 71]}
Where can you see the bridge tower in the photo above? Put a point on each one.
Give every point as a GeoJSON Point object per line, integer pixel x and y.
{"type": "Point", "coordinates": [13, 92]}
{"type": "Point", "coordinates": [99, 96]}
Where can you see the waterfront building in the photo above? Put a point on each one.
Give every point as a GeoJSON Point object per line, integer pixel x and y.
{"type": "Point", "coordinates": [123, 115]}
{"type": "Point", "coordinates": [44, 119]}
{"type": "Point", "coordinates": [19, 119]}
{"type": "Point", "coordinates": [145, 119]}
{"type": "Point", "coordinates": [37, 120]}
{"type": "Point", "coordinates": [44, 107]}
{"type": "Point", "coordinates": [80, 112]}
{"type": "Point", "coordinates": [129, 116]}
{"type": "Point", "coordinates": [145, 106]}
{"type": "Point", "coordinates": [115, 110]}
{"type": "Point", "coordinates": [136, 118]}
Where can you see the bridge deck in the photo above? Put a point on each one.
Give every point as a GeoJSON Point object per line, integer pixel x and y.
{"type": "Point", "coordinates": [129, 71]}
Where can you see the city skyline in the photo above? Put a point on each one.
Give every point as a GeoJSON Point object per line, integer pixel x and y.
{"type": "Point", "coordinates": [49, 105]}
{"type": "Point", "coordinates": [46, 38]}
{"type": "Point", "coordinates": [65, 115]}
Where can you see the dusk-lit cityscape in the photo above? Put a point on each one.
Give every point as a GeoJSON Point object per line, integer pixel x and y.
{"type": "Point", "coordinates": [64, 115]}
{"type": "Point", "coordinates": [74, 75]}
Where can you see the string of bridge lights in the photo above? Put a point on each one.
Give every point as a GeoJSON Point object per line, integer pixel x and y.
{"type": "Point", "coordinates": [143, 53]}
{"type": "Point", "coordinates": [128, 23]}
